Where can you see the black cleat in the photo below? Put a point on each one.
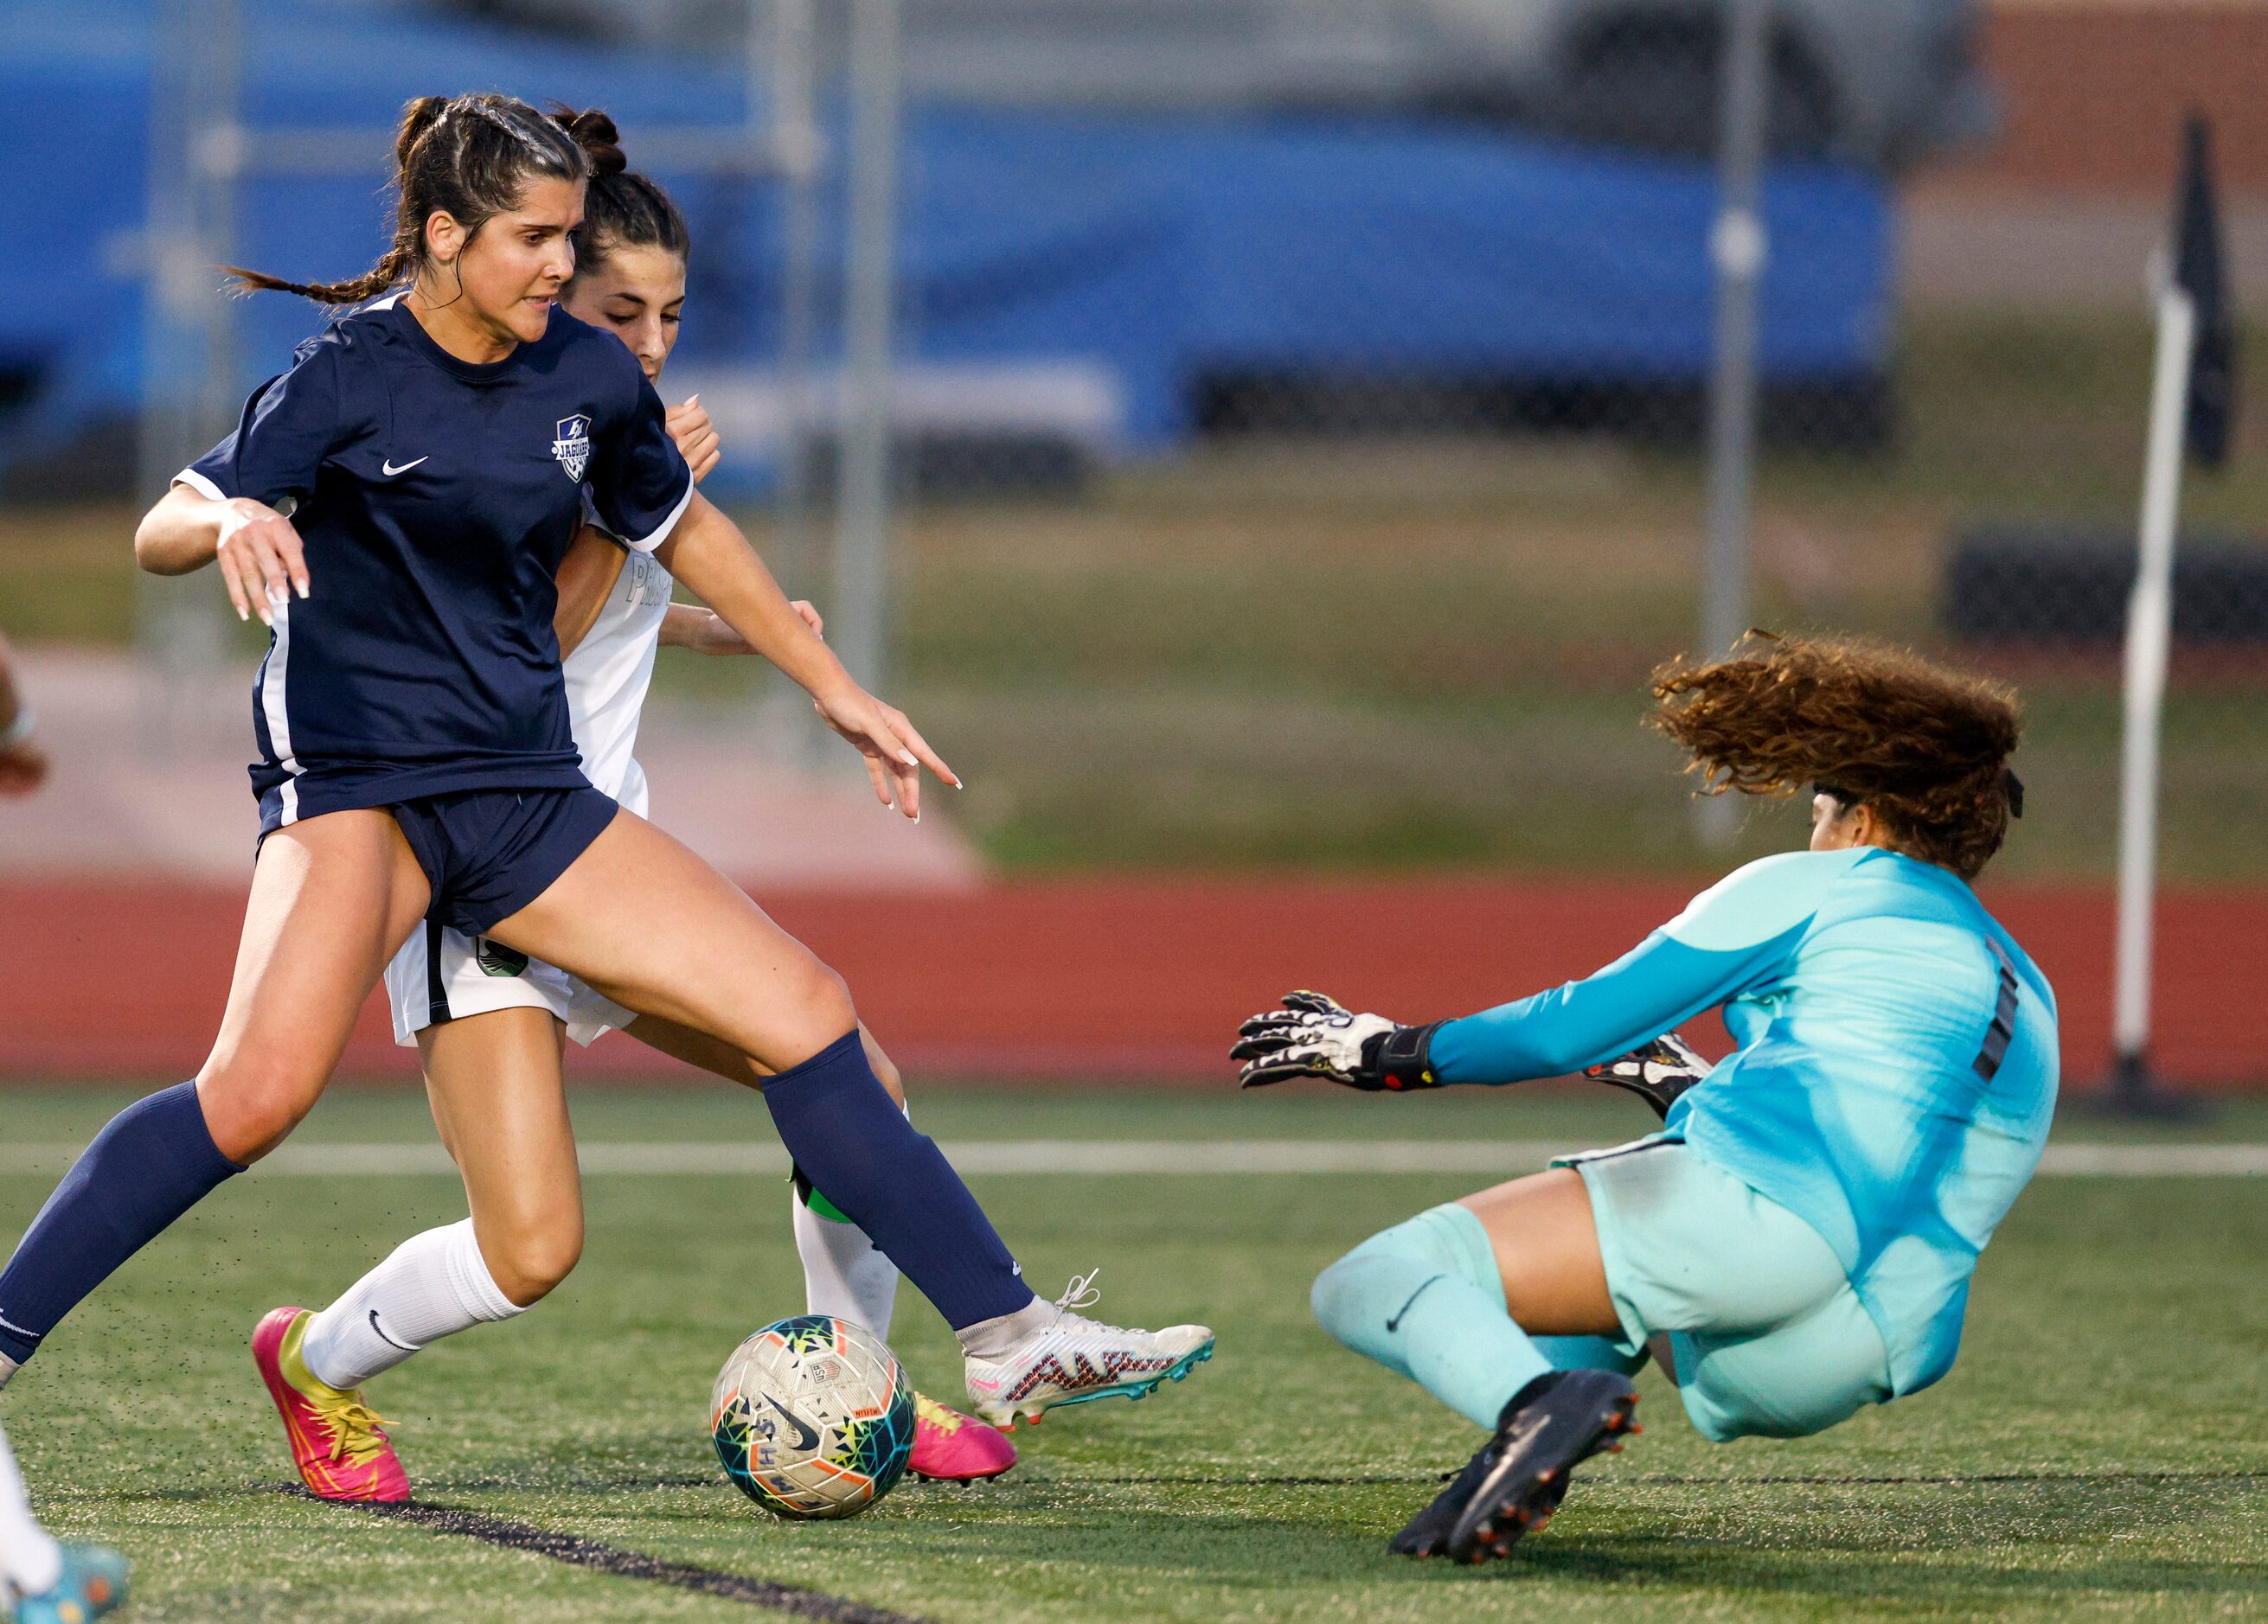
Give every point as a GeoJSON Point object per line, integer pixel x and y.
{"type": "Point", "coordinates": [1428, 1533]}
{"type": "Point", "coordinates": [1517, 1481]}
{"type": "Point", "coordinates": [1657, 1072]}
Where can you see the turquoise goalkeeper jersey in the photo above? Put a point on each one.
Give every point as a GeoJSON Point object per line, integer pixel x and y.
{"type": "Point", "coordinates": [1894, 1076]}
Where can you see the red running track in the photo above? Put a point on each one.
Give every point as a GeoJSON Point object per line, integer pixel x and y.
{"type": "Point", "coordinates": [1106, 979]}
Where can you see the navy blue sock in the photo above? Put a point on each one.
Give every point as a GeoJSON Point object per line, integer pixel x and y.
{"type": "Point", "coordinates": [850, 1140]}
{"type": "Point", "coordinates": [154, 1161]}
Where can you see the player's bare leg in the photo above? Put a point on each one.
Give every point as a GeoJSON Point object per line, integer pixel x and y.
{"type": "Point", "coordinates": [646, 922]}
{"type": "Point", "coordinates": [331, 898]}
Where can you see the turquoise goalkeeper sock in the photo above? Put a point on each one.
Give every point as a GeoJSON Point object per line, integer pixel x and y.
{"type": "Point", "coordinates": [1425, 1299]}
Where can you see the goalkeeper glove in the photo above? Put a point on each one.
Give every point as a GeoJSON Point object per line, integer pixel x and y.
{"type": "Point", "coordinates": [1657, 1072]}
{"type": "Point", "coordinates": [1313, 1036]}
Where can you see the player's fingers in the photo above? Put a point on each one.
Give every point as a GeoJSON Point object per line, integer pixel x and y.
{"type": "Point", "coordinates": [881, 776]}
{"type": "Point", "coordinates": [1312, 1003]}
{"type": "Point", "coordinates": [920, 746]}
{"type": "Point", "coordinates": [810, 617]}
{"type": "Point", "coordinates": [886, 739]}
{"type": "Point", "coordinates": [704, 464]}
{"type": "Point", "coordinates": [274, 582]}
{"type": "Point", "coordinates": [242, 603]}
{"type": "Point", "coordinates": [291, 553]}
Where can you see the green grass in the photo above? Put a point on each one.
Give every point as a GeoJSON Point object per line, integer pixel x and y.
{"type": "Point", "coordinates": [2101, 1450]}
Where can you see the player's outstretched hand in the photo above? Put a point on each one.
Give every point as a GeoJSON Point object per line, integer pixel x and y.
{"type": "Point", "coordinates": [1317, 1036]}
{"type": "Point", "coordinates": [695, 436]}
{"type": "Point", "coordinates": [894, 749]}
{"type": "Point", "coordinates": [1657, 1072]}
{"type": "Point", "coordinates": [260, 559]}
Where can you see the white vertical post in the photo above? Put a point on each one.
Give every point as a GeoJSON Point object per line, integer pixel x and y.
{"type": "Point", "coordinates": [1737, 246]}
{"type": "Point", "coordinates": [863, 471]}
{"type": "Point", "coordinates": [2149, 637]}
{"type": "Point", "coordinates": [795, 142]}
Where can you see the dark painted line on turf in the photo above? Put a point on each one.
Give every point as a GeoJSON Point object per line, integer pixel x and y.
{"type": "Point", "coordinates": [580, 1553]}
{"type": "Point", "coordinates": [1640, 1479]}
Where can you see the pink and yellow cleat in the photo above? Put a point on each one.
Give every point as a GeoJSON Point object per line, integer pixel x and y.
{"type": "Point", "coordinates": [954, 1448]}
{"type": "Point", "coordinates": [337, 1442]}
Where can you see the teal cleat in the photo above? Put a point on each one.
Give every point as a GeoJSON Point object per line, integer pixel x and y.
{"type": "Point", "coordinates": [93, 1583]}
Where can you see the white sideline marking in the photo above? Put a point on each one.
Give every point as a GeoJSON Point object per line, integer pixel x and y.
{"type": "Point", "coordinates": [1144, 1156]}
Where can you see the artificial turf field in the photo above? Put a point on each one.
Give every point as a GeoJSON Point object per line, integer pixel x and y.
{"type": "Point", "coordinates": [2100, 1451]}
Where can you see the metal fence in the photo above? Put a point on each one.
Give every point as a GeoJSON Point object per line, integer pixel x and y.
{"type": "Point", "coordinates": [1293, 441]}
{"type": "Point", "coordinates": [1453, 443]}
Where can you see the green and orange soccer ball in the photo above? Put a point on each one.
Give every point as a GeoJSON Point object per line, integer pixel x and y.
{"type": "Point", "coordinates": [813, 1417]}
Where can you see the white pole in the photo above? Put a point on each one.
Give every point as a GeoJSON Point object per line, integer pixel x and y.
{"type": "Point", "coordinates": [2149, 636]}
{"type": "Point", "coordinates": [862, 541]}
{"type": "Point", "coordinates": [1737, 247]}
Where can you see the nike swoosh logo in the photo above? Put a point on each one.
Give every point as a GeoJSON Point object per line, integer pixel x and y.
{"type": "Point", "coordinates": [806, 1435]}
{"type": "Point", "coordinates": [1395, 1324]}
{"type": "Point", "coordinates": [391, 471]}
{"type": "Point", "coordinates": [383, 1337]}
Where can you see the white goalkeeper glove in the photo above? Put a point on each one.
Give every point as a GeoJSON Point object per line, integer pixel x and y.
{"type": "Point", "coordinates": [1315, 1036]}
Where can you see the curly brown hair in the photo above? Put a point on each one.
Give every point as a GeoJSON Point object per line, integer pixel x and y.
{"type": "Point", "coordinates": [1925, 748]}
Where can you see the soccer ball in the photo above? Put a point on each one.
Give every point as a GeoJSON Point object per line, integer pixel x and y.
{"type": "Point", "coordinates": [813, 1417]}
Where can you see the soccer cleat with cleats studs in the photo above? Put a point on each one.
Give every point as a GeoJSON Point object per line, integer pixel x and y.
{"type": "Point", "coordinates": [950, 1447]}
{"type": "Point", "coordinates": [338, 1443]}
{"type": "Point", "coordinates": [1075, 1360]}
{"type": "Point", "coordinates": [92, 1582]}
{"type": "Point", "coordinates": [1514, 1484]}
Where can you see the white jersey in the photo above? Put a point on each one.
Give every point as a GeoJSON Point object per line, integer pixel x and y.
{"type": "Point", "coordinates": [609, 673]}
{"type": "Point", "coordinates": [443, 975]}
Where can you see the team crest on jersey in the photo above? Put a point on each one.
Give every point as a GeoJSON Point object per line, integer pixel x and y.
{"type": "Point", "coordinates": [573, 445]}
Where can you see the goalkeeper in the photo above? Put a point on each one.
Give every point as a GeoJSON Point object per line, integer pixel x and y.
{"type": "Point", "coordinates": [1797, 1241]}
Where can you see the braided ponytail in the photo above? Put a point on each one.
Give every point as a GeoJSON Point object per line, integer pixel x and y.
{"type": "Point", "coordinates": [469, 156]}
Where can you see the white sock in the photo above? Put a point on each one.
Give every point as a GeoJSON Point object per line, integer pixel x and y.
{"type": "Point", "coordinates": [29, 1560]}
{"type": "Point", "coordinates": [435, 1285]}
{"type": "Point", "coordinates": [844, 1274]}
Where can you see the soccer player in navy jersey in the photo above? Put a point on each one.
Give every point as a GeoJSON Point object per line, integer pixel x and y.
{"type": "Point", "coordinates": [395, 507]}
{"type": "Point", "coordinates": [1798, 1242]}
{"type": "Point", "coordinates": [488, 1023]}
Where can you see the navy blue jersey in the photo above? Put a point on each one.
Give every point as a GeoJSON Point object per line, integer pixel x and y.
{"type": "Point", "coordinates": [436, 498]}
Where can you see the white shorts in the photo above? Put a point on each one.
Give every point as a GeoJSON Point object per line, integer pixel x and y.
{"type": "Point", "coordinates": [442, 974]}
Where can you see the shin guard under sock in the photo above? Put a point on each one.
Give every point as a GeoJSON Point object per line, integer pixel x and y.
{"type": "Point", "coordinates": [856, 1148]}
{"type": "Point", "coordinates": [1425, 1299]}
{"type": "Point", "coordinates": [154, 1161]}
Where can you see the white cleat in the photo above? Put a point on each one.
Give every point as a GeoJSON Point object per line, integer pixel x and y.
{"type": "Point", "coordinates": [1075, 1360]}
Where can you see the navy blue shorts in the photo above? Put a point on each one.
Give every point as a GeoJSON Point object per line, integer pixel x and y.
{"type": "Point", "coordinates": [490, 853]}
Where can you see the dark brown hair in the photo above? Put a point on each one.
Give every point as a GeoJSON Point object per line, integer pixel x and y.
{"type": "Point", "coordinates": [620, 208]}
{"type": "Point", "coordinates": [468, 155]}
{"type": "Point", "coordinates": [1926, 749]}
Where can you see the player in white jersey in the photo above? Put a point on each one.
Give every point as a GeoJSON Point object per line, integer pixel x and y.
{"type": "Point", "coordinates": [615, 612]}
{"type": "Point", "coordinates": [41, 1577]}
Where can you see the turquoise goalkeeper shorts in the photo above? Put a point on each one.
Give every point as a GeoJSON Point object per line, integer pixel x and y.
{"type": "Point", "coordinates": [1766, 1334]}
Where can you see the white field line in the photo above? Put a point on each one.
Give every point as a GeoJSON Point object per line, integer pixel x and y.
{"type": "Point", "coordinates": [1144, 1156]}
